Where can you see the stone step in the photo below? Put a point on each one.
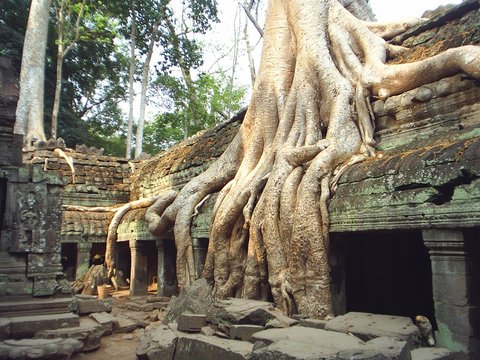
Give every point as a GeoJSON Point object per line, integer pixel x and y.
{"type": "Point", "coordinates": [23, 306]}
{"type": "Point", "coordinates": [89, 333]}
{"type": "Point", "coordinates": [26, 326]}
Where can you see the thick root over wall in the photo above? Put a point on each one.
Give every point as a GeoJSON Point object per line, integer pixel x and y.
{"type": "Point", "coordinates": [309, 118]}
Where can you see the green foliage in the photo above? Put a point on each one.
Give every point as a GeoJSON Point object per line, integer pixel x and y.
{"type": "Point", "coordinates": [13, 22]}
{"type": "Point", "coordinates": [217, 101]}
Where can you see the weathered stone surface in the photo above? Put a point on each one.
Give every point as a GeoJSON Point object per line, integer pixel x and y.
{"type": "Point", "coordinates": [306, 344]}
{"type": "Point", "coordinates": [243, 311]}
{"type": "Point", "coordinates": [191, 322]}
{"type": "Point", "coordinates": [390, 348]}
{"type": "Point", "coordinates": [369, 326]}
{"type": "Point", "coordinates": [106, 320]}
{"type": "Point", "coordinates": [26, 326]}
{"type": "Point", "coordinates": [135, 306]}
{"type": "Point", "coordinates": [86, 307]}
{"type": "Point", "coordinates": [313, 323]}
{"type": "Point", "coordinates": [208, 331]}
{"type": "Point", "coordinates": [124, 325]}
{"type": "Point", "coordinates": [53, 349]}
{"type": "Point", "coordinates": [5, 330]}
{"type": "Point", "coordinates": [155, 299]}
{"type": "Point", "coordinates": [302, 335]}
{"type": "Point", "coordinates": [432, 354]}
{"type": "Point", "coordinates": [194, 299]}
{"type": "Point", "coordinates": [89, 334]}
{"type": "Point", "coordinates": [244, 332]}
{"type": "Point", "coordinates": [20, 306]}
{"type": "Point", "coordinates": [200, 347]}
{"type": "Point", "coordinates": [157, 344]}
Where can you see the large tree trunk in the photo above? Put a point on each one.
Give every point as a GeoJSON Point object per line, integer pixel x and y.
{"type": "Point", "coordinates": [29, 115]}
{"type": "Point", "coordinates": [309, 115]}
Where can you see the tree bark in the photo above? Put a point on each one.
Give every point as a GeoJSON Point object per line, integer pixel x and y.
{"type": "Point", "coordinates": [29, 114]}
{"type": "Point", "coordinates": [309, 115]}
{"type": "Point", "coordinates": [143, 95]}
{"type": "Point", "coordinates": [131, 77]}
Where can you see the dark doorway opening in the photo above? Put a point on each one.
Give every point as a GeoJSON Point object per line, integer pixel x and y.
{"type": "Point", "coordinates": [98, 249]}
{"type": "Point", "coordinates": [388, 273]}
{"type": "Point", "coordinates": [152, 261]}
{"type": "Point", "coordinates": [69, 260]}
{"type": "Point", "coordinates": [124, 260]}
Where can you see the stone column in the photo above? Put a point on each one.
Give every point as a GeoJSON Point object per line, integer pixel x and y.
{"type": "Point", "coordinates": [161, 269]}
{"type": "Point", "coordinates": [83, 259]}
{"type": "Point", "coordinates": [456, 288]}
{"type": "Point", "coordinates": [139, 269]}
{"type": "Point", "coordinates": [199, 249]}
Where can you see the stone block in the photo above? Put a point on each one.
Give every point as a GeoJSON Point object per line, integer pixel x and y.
{"type": "Point", "coordinates": [155, 298]}
{"type": "Point", "coordinates": [303, 335]}
{"type": "Point", "coordinates": [244, 332]}
{"type": "Point", "coordinates": [208, 331]}
{"type": "Point", "coordinates": [241, 311]}
{"type": "Point", "coordinates": [201, 347]}
{"type": "Point", "coordinates": [87, 333]}
{"type": "Point", "coordinates": [106, 320]}
{"type": "Point", "coordinates": [124, 325]}
{"type": "Point", "coordinates": [135, 306]}
{"type": "Point", "coordinates": [191, 322]}
{"type": "Point", "coordinates": [51, 349]}
{"type": "Point", "coordinates": [26, 326]}
{"type": "Point", "coordinates": [390, 348]}
{"type": "Point", "coordinates": [160, 305]}
{"type": "Point", "coordinates": [460, 320]}
{"type": "Point", "coordinates": [313, 323]}
{"type": "Point", "coordinates": [369, 326]}
{"type": "Point", "coordinates": [456, 289]}
{"type": "Point", "coordinates": [157, 344]}
{"type": "Point", "coordinates": [86, 307]}
{"type": "Point", "coordinates": [432, 354]}
{"type": "Point", "coordinates": [194, 299]}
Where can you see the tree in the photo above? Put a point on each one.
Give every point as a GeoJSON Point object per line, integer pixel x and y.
{"type": "Point", "coordinates": [216, 101]}
{"type": "Point", "coordinates": [308, 116]}
{"type": "Point", "coordinates": [76, 21]}
{"type": "Point", "coordinates": [29, 114]}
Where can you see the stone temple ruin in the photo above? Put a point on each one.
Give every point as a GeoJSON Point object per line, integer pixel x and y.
{"type": "Point", "coordinates": [404, 226]}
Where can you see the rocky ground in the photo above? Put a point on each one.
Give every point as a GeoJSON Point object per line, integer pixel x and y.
{"type": "Point", "coordinates": [195, 326]}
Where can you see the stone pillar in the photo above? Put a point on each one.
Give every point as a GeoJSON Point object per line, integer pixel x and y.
{"type": "Point", "coordinates": [199, 247]}
{"type": "Point", "coordinates": [139, 269]}
{"type": "Point", "coordinates": [455, 264]}
{"type": "Point", "coordinates": [83, 259]}
{"type": "Point", "coordinates": [161, 269]}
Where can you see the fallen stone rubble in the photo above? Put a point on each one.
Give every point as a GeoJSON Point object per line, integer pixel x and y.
{"type": "Point", "coordinates": [194, 326]}
{"type": "Point", "coordinates": [246, 329]}
{"type": "Point", "coordinates": [59, 334]}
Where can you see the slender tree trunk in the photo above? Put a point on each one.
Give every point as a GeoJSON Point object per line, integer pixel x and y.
{"type": "Point", "coordinates": [62, 51]}
{"type": "Point", "coordinates": [30, 107]}
{"type": "Point", "coordinates": [143, 95]}
{"type": "Point", "coordinates": [59, 72]}
{"type": "Point", "coordinates": [131, 76]}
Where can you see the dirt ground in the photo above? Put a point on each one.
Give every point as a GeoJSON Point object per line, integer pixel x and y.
{"type": "Point", "coordinates": [115, 347]}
